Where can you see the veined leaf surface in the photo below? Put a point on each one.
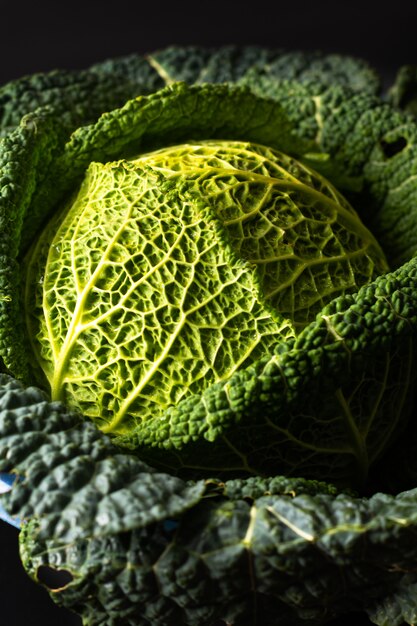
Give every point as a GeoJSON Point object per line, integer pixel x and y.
{"type": "Point", "coordinates": [169, 272]}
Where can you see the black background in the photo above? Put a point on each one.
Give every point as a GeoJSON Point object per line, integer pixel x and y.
{"type": "Point", "coordinates": [42, 37]}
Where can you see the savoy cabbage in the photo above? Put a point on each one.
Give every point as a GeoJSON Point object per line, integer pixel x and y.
{"type": "Point", "coordinates": [175, 270]}
{"type": "Point", "coordinates": [222, 279]}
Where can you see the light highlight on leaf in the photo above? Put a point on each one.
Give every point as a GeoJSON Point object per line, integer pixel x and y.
{"type": "Point", "coordinates": [171, 271]}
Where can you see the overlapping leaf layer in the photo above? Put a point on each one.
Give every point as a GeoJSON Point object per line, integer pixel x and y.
{"type": "Point", "coordinates": [146, 547]}
{"type": "Point", "coordinates": [172, 271]}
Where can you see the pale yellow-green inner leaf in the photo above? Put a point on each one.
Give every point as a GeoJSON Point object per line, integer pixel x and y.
{"type": "Point", "coordinates": [170, 271]}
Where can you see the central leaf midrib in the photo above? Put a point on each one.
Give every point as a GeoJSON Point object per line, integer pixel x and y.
{"type": "Point", "coordinates": [74, 328]}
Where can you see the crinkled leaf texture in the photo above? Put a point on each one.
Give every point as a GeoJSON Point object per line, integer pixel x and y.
{"type": "Point", "coordinates": [403, 93]}
{"type": "Point", "coordinates": [363, 369]}
{"type": "Point", "coordinates": [176, 269]}
{"type": "Point", "coordinates": [147, 548]}
{"type": "Point", "coordinates": [192, 552]}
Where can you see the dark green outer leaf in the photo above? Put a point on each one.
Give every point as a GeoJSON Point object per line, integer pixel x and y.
{"type": "Point", "coordinates": [81, 96]}
{"type": "Point", "coordinates": [167, 551]}
{"type": "Point", "coordinates": [232, 64]}
{"type": "Point", "coordinates": [403, 93]}
{"type": "Point", "coordinates": [66, 463]}
{"type": "Point", "coordinates": [399, 606]}
{"type": "Point", "coordinates": [25, 156]}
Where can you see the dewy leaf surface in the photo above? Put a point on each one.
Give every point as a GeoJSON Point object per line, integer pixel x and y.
{"type": "Point", "coordinates": [173, 271]}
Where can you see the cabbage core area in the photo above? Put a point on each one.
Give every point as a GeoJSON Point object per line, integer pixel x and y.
{"type": "Point", "coordinates": [168, 272]}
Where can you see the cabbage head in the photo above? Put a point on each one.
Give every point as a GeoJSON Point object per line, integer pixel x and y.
{"type": "Point", "coordinates": [173, 270]}
{"type": "Point", "coordinates": [208, 311]}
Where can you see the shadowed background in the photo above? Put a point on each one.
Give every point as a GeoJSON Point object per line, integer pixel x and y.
{"type": "Point", "coordinates": [42, 37]}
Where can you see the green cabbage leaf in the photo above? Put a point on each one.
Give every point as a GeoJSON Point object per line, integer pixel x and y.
{"type": "Point", "coordinates": [259, 410]}
{"type": "Point", "coordinates": [227, 496]}
{"type": "Point", "coordinates": [141, 547]}
{"type": "Point", "coordinates": [173, 271]}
